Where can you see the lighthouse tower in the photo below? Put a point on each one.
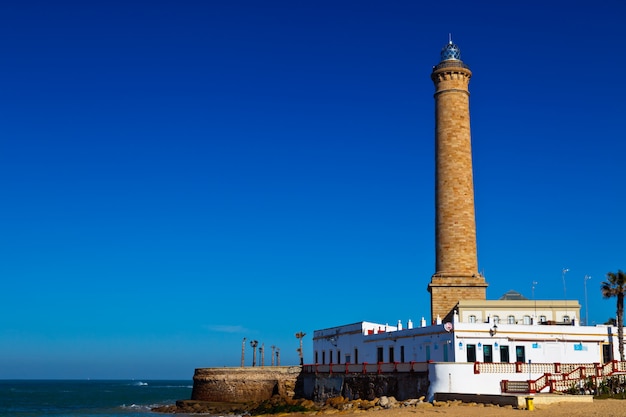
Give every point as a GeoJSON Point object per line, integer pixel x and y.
{"type": "Point", "coordinates": [456, 274]}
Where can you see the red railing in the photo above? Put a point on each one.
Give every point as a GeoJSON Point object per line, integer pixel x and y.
{"type": "Point", "coordinates": [567, 375]}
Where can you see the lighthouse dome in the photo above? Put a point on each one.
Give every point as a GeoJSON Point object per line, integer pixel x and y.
{"type": "Point", "coordinates": [451, 51]}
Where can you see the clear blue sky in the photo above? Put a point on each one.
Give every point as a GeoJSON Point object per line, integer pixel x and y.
{"type": "Point", "coordinates": [178, 175]}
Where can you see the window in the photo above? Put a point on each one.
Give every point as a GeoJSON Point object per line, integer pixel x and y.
{"type": "Point", "coordinates": [391, 355]}
{"type": "Point", "coordinates": [356, 355]}
{"type": "Point", "coordinates": [401, 353]}
{"type": "Point", "coordinates": [445, 352]}
{"type": "Point", "coordinates": [520, 354]}
{"type": "Point", "coordinates": [487, 353]}
{"type": "Point", "coordinates": [472, 319]}
{"type": "Point", "coordinates": [542, 319]}
{"type": "Point", "coordinates": [316, 358]}
{"type": "Point", "coordinates": [510, 319]}
{"type": "Point", "coordinates": [566, 319]}
{"type": "Point", "coordinates": [526, 319]}
{"type": "Point", "coordinates": [323, 357]}
{"type": "Point", "coordinates": [504, 354]}
{"type": "Point", "coordinates": [348, 358]}
{"type": "Point", "coordinates": [330, 357]}
{"type": "Point", "coordinates": [496, 319]}
{"type": "Point", "coordinates": [338, 356]}
{"type": "Point", "coordinates": [428, 352]}
{"type": "Point", "coordinates": [379, 355]}
{"type": "Point", "coordinates": [471, 353]}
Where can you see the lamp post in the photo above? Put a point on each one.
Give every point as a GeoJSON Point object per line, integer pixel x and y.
{"type": "Point", "coordinates": [300, 335]}
{"type": "Point", "coordinates": [587, 278]}
{"type": "Point", "coordinates": [243, 350]}
{"type": "Point", "coordinates": [563, 272]}
{"type": "Point", "coordinates": [533, 295]}
{"type": "Point", "coordinates": [277, 356]}
{"type": "Point", "coordinates": [262, 352]}
{"type": "Point", "coordinates": [254, 344]}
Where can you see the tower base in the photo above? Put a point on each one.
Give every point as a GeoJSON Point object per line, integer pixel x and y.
{"type": "Point", "coordinates": [447, 289]}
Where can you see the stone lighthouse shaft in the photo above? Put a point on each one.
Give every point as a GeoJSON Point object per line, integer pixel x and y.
{"type": "Point", "coordinates": [456, 274]}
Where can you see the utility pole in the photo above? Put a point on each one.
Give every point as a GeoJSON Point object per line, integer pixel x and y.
{"type": "Point", "coordinates": [563, 272]}
{"type": "Point", "coordinates": [243, 350]}
{"type": "Point", "coordinates": [254, 344]}
{"type": "Point", "coordinates": [300, 335]}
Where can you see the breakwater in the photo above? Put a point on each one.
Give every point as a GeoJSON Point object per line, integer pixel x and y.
{"type": "Point", "coordinates": [242, 385]}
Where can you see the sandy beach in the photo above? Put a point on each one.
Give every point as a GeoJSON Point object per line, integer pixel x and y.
{"type": "Point", "coordinates": [606, 408]}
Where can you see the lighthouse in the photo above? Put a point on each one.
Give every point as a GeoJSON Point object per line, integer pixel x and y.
{"type": "Point", "coordinates": [456, 274]}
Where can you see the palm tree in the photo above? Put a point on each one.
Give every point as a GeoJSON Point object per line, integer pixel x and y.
{"type": "Point", "coordinates": [615, 286]}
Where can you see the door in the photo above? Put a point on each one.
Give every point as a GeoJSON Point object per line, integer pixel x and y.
{"type": "Point", "coordinates": [487, 353]}
{"type": "Point", "coordinates": [607, 353]}
{"type": "Point", "coordinates": [471, 353]}
{"type": "Point", "coordinates": [504, 354]}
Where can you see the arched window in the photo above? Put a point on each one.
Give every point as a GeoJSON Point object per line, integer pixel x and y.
{"type": "Point", "coordinates": [496, 319]}
{"type": "Point", "coordinates": [510, 319]}
{"type": "Point", "coordinates": [526, 319]}
{"type": "Point", "coordinates": [472, 319]}
{"type": "Point", "coordinates": [566, 319]}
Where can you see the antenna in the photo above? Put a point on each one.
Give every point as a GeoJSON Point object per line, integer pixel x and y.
{"type": "Point", "coordinates": [450, 38]}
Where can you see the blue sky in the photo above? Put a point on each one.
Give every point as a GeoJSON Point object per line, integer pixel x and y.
{"type": "Point", "coordinates": [176, 176]}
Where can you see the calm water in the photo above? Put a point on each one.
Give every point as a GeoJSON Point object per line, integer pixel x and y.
{"type": "Point", "coordinates": [21, 398]}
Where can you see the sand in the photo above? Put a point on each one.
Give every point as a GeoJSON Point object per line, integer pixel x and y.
{"type": "Point", "coordinates": [605, 408]}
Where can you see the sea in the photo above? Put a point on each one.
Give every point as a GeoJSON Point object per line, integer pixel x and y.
{"type": "Point", "coordinates": [87, 398]}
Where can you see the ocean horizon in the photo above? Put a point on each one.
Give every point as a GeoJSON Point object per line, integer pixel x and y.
{"type": "Point", "coordinates": [87, 398]}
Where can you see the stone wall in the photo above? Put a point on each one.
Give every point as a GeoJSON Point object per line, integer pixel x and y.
{"type": "Point", "coordinates": [241, 385]}
{"type": "Point", "coordinates": [320, 387]}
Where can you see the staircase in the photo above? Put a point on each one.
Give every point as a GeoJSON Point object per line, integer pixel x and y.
{"type": "Point", "coordinates": [564, 377]}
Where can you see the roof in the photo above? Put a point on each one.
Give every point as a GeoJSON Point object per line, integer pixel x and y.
{"type": "Point", "coordinates": [512, 295]}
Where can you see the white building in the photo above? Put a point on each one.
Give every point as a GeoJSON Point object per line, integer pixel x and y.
{"type": "Point", "coordinates": [481, 347]}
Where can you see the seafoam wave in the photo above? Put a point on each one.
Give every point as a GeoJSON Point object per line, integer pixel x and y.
{"type": "Point", "coordinates": [137, 407]}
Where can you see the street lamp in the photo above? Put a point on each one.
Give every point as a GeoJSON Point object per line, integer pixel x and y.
{"type": "Point", "coordinates": [563, 272]}
{"type": "Point", "coordinates": [533, 295]}
{"type": "Point", "coordinates": [300, 335]}
{"type": "Point", "coordinates": [243, 350]}
{"type": "Point", "coordinates": [254, 344]}
{"type": "Point", "coordinates": [587, 278]}
{"type": "Point", "coordinates": [262, 352]}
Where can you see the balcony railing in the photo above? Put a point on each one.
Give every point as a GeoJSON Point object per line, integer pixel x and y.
{"type": "Point", "coordinates": [451, 64]}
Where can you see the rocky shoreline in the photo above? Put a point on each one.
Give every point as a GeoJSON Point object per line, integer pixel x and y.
{"type": "Point", "coordinates": [333, 405]}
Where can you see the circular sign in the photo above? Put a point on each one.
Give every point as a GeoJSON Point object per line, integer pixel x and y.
{"type": "Point", "coordinates": [448, 326]}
